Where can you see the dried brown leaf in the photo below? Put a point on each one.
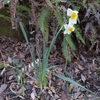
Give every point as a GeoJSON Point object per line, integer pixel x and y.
{"type": "Point", "coordinates": [3, 87]}
{"type": "Point", "coordinates": [75, 96]}
{"type": "Point", "coordinates": [64, 96]}
{"type": "Point", "coordinates": [1, 97]}
{"type": "Point", "coordinates": [83, 78]}
{"type": "Point", "coordinates": [80, 96]}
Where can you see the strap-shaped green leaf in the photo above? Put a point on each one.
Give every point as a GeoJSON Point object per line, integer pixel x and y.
{"type": "Point", "coordinates": [71, 81]}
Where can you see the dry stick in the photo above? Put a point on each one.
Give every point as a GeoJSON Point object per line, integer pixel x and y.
{"type": "Point", "coordinates": [16, 93]}
{"type": "Point", "coordinates": [13, 6]}
{"type": "Point", "coordinates": [33, 14]}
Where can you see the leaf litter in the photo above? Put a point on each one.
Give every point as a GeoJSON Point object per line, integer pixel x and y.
{"type": "Point", "coordinates": [84, 70]}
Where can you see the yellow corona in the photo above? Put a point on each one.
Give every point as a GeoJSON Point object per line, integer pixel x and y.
{"type": "Point", "coordinates": [70, 28]}
{"type": "Point", "coordinates": [73, 15]}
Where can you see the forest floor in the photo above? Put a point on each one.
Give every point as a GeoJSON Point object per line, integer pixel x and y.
{"type": "Point", "coordinates": [85, 69]}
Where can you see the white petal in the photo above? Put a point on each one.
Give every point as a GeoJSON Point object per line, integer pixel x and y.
{"type": "Point", "coordinates": [65, 32]}
{"type": "Point", "coordinates": [75, 11]}
{"type": "Point", "coordinates": [69, 11]}
{"type": "Point", "coordinates": [71, 21]}
{"type": "Point", "coordinates": [65, 26]}
{"type": "Point", "coordinates": [68, 32]}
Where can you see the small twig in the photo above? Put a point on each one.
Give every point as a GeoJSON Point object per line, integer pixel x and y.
{"type": "Point", "coordinates": [93, 44]}
{"type": "Point", "coordinates": [16, 93]}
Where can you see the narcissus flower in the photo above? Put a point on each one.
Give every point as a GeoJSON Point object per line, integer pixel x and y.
{"type": "Point", "coordinates": [73, 15]}
{"type": "Point", "coordinates": [68, 28]}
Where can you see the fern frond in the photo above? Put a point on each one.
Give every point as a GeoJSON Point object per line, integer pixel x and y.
{"type": "Point", "coordinates": [76, 4]}
{"type": "Point", "coordinates": [65, 50]}
{"type": "Point", "coordinates": [43, 23]}
{"type": "Point", "coordinates": [70, 42]}
{"type": "Point", "coordinates": [5, 17]}
{"type": "Point", "coordinates": [6, 1]}
{"type": "Point", "coordinates": [59, 18]}
{"type": "Point", "coordinates": [57, 1]}
{"type": "Point", "coordinates": [78, 34]}
{"type": "Point", "coordinates": [24, 8]}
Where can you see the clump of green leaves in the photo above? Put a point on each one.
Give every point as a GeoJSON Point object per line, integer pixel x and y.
{"type": "Point", "coordinates": [41, 67]}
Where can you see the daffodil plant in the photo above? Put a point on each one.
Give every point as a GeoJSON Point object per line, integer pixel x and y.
{"type": "Point", "coordinates": [68, 43]}
{"type": "Point", "coordinates": [41, 68]}
{"type": "Point", "coordinates": [73, 14]}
